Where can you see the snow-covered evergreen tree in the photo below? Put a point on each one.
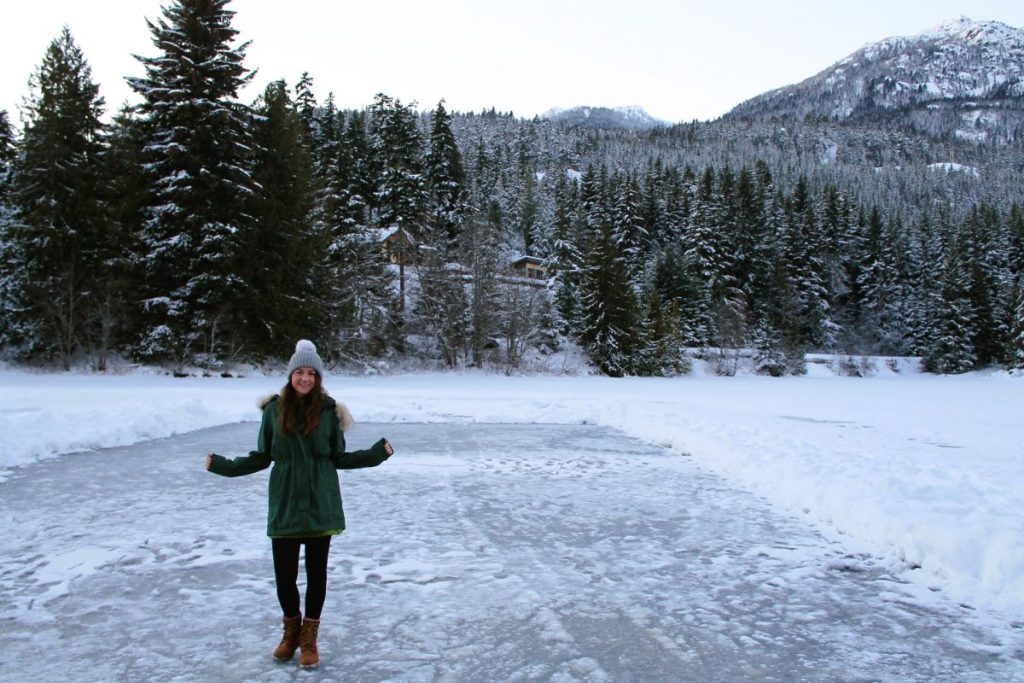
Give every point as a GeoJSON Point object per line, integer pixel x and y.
{"type": "Point", "coordinates": [8, 278]}
{"type": "Point", "coordinates": [808, 309]}
{"type": "Point", "coordinates": [653, 207]}
{"type": "Point", "coordinates": [479, 255]}
{"type": "Point", "coordinates": [1015, 239]}
{"type": "Point", "coordinates": [659, 347]}
{"type": "Point", "coordinates": [1014, 356]}
{"type": "Point", "coordinates": [608, 305]}
{"type": "Point", "coordinates": [878, 287]}
{"type": "Point", "coordinates": [123, 192]}
{"type": "Point", "coordinates": [769, 358]}
{"type": "Point", "coordinates": [526, 215]}
{"type": "Point", "coordinates": [199, 154]}
{"type": "Point", "coordinates": [748, 230]}
{"type": "Point", "coordinates": [628, 231]}
{"type": "Point", "coordinates": [985, 248]}
{"type": "Point", "coordinates": [446, 179]}
{"type": "Point", "coordinates": [565, 259]}
{"type": "Point", "coordinates": [306, 108]}
{"type": "Point", "coordinates": [706, 253]}
{"type": "Point", "coordinates": [52, 258]}
{"type": "Point", "coordinates": [362, 312]}
{"type": "Point", "coordinates": [920, 248]}
{"type": "Point", "coordinates": [401, 185]}
{"type": "Point", "coordinates": [951, 349]}
{"type": "Point", "coordinates": [836, 254]}
{"type": "Point", "coordinates": [766, 290]}
{"type": "Point", "coordinates": [6, 154]}
{"type": "Point", "coordinates": [676, 205]}
{"type": "Point", "coordinates": [284, 254]}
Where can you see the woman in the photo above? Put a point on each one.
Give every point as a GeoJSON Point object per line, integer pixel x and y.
{"type": "Point", "coordinates": [302, 434]}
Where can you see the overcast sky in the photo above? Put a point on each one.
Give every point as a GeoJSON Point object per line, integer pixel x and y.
{"type": "Point", "coordinates": [679, 59]}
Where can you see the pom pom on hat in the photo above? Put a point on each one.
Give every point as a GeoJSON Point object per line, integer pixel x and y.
{"type": "Point", "coordinates": [305, 356]}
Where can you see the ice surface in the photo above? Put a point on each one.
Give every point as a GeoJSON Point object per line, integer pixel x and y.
{"type": "Point", "coordinates": [479, 552]}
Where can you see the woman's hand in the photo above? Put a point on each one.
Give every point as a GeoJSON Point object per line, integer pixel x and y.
{"type": "Point", "coordinates": [388, 449]}
{"type": "Point", "coordinates": [209, 460]}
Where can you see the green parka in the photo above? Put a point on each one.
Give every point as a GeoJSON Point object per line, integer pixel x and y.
{"type": "Point", "coordinates": [305, 499]}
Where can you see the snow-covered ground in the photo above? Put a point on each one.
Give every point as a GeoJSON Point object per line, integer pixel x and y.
{"type": "Point", "coordinates": [917, 476]}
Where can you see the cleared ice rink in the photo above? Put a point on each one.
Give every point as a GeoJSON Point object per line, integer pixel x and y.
{"type": "Point", "coordinates": [477, 553]}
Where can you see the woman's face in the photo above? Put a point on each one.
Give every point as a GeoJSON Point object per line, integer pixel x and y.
{"type": "Point", "coordinates": [303, 380]}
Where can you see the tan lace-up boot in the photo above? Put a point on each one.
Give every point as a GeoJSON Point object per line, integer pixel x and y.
{"type": "Point", "coordinates": [307, 641]}
{"type": "Point", "coordinates": [290, 640]}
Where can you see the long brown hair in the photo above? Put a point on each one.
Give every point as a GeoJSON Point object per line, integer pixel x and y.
{"type": "Point", "coordinates": [300, 413]}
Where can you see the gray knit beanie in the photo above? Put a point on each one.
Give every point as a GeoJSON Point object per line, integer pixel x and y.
{"type": "Point", "coordinates": [305, 356]}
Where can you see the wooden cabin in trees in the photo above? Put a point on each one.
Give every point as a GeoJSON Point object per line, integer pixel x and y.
{"type": "Point", "coordinates": [529, 267]}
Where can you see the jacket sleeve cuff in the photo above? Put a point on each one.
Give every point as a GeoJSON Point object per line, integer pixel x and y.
{"type": "Point", "coordinates": [220, 465]}
{"type": "Point", "coordinates": [381, 451]}
{"type": "Point", "coordinates": [370, 457]}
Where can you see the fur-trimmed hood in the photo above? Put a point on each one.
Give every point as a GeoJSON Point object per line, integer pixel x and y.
{"type": "Point", "coordinates": [340, 409]}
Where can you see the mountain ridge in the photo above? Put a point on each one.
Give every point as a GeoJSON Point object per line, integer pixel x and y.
{"type": "Point", "coordinates": [632, 117]}
{"type": "Point", "coordinates": [962, 78]}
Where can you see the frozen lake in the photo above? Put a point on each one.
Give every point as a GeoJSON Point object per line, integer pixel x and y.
{"type": "Point", "coordinates": [478, 553]}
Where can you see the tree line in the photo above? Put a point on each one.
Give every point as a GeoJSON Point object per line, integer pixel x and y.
{"type": "Point", "coordinates": [196, 230]}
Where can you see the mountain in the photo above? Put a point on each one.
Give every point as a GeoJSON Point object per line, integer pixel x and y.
{"type": "Point", "coordinates": [605, 118]}
{"type": "Point", "coordinates": [964, 78]}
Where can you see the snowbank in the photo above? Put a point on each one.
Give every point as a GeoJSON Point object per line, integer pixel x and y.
{"type": "Point", "coordinates": [925, 472]}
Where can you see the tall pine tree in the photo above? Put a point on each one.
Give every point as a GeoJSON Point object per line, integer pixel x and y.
{"type": "Point", "coordinates": [952, 327]}
{"type": "Point", "coordinates": [199, 155]}
{"type": "Point", "coordinates": [52, 263]}
{"type": "Point", "coordinates": [283, 258]}
{"type": "Point", "coordinates": [808, 311]}
{"type": "Point", "coordinates": [401, 188]}
{"type": "Point", "coordinates": [124, 192]}
{"type": "Point", "coordinates": [565, 259]}
{"type": "Point", "coordinates": [608, 306]}
{"type": "Point", "coordinates": [1014, 355]}
{"type": "Point", "coordinates": [7, 276]}
{"type": "Point", "coordinates": [6, 155]}
{"type": "Point", "coordinates": [364, 314]}
{"type": "Point", "coordinates": [446, 179]}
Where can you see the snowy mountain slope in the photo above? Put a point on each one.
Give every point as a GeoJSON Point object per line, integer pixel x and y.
{"type": "Point", "coordinates": [608, 118]}
{"type": "Point", "coordinates": [964, 78]}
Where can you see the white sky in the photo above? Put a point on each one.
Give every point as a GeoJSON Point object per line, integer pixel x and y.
{"type": "Point", "coordinates": [679, 59]}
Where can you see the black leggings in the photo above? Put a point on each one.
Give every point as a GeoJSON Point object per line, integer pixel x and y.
{"type": "Point", "coordinates": [286, 573]}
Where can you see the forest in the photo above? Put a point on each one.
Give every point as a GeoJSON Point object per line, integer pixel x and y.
{"type": "Point", "coordinates": [196, 231]}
